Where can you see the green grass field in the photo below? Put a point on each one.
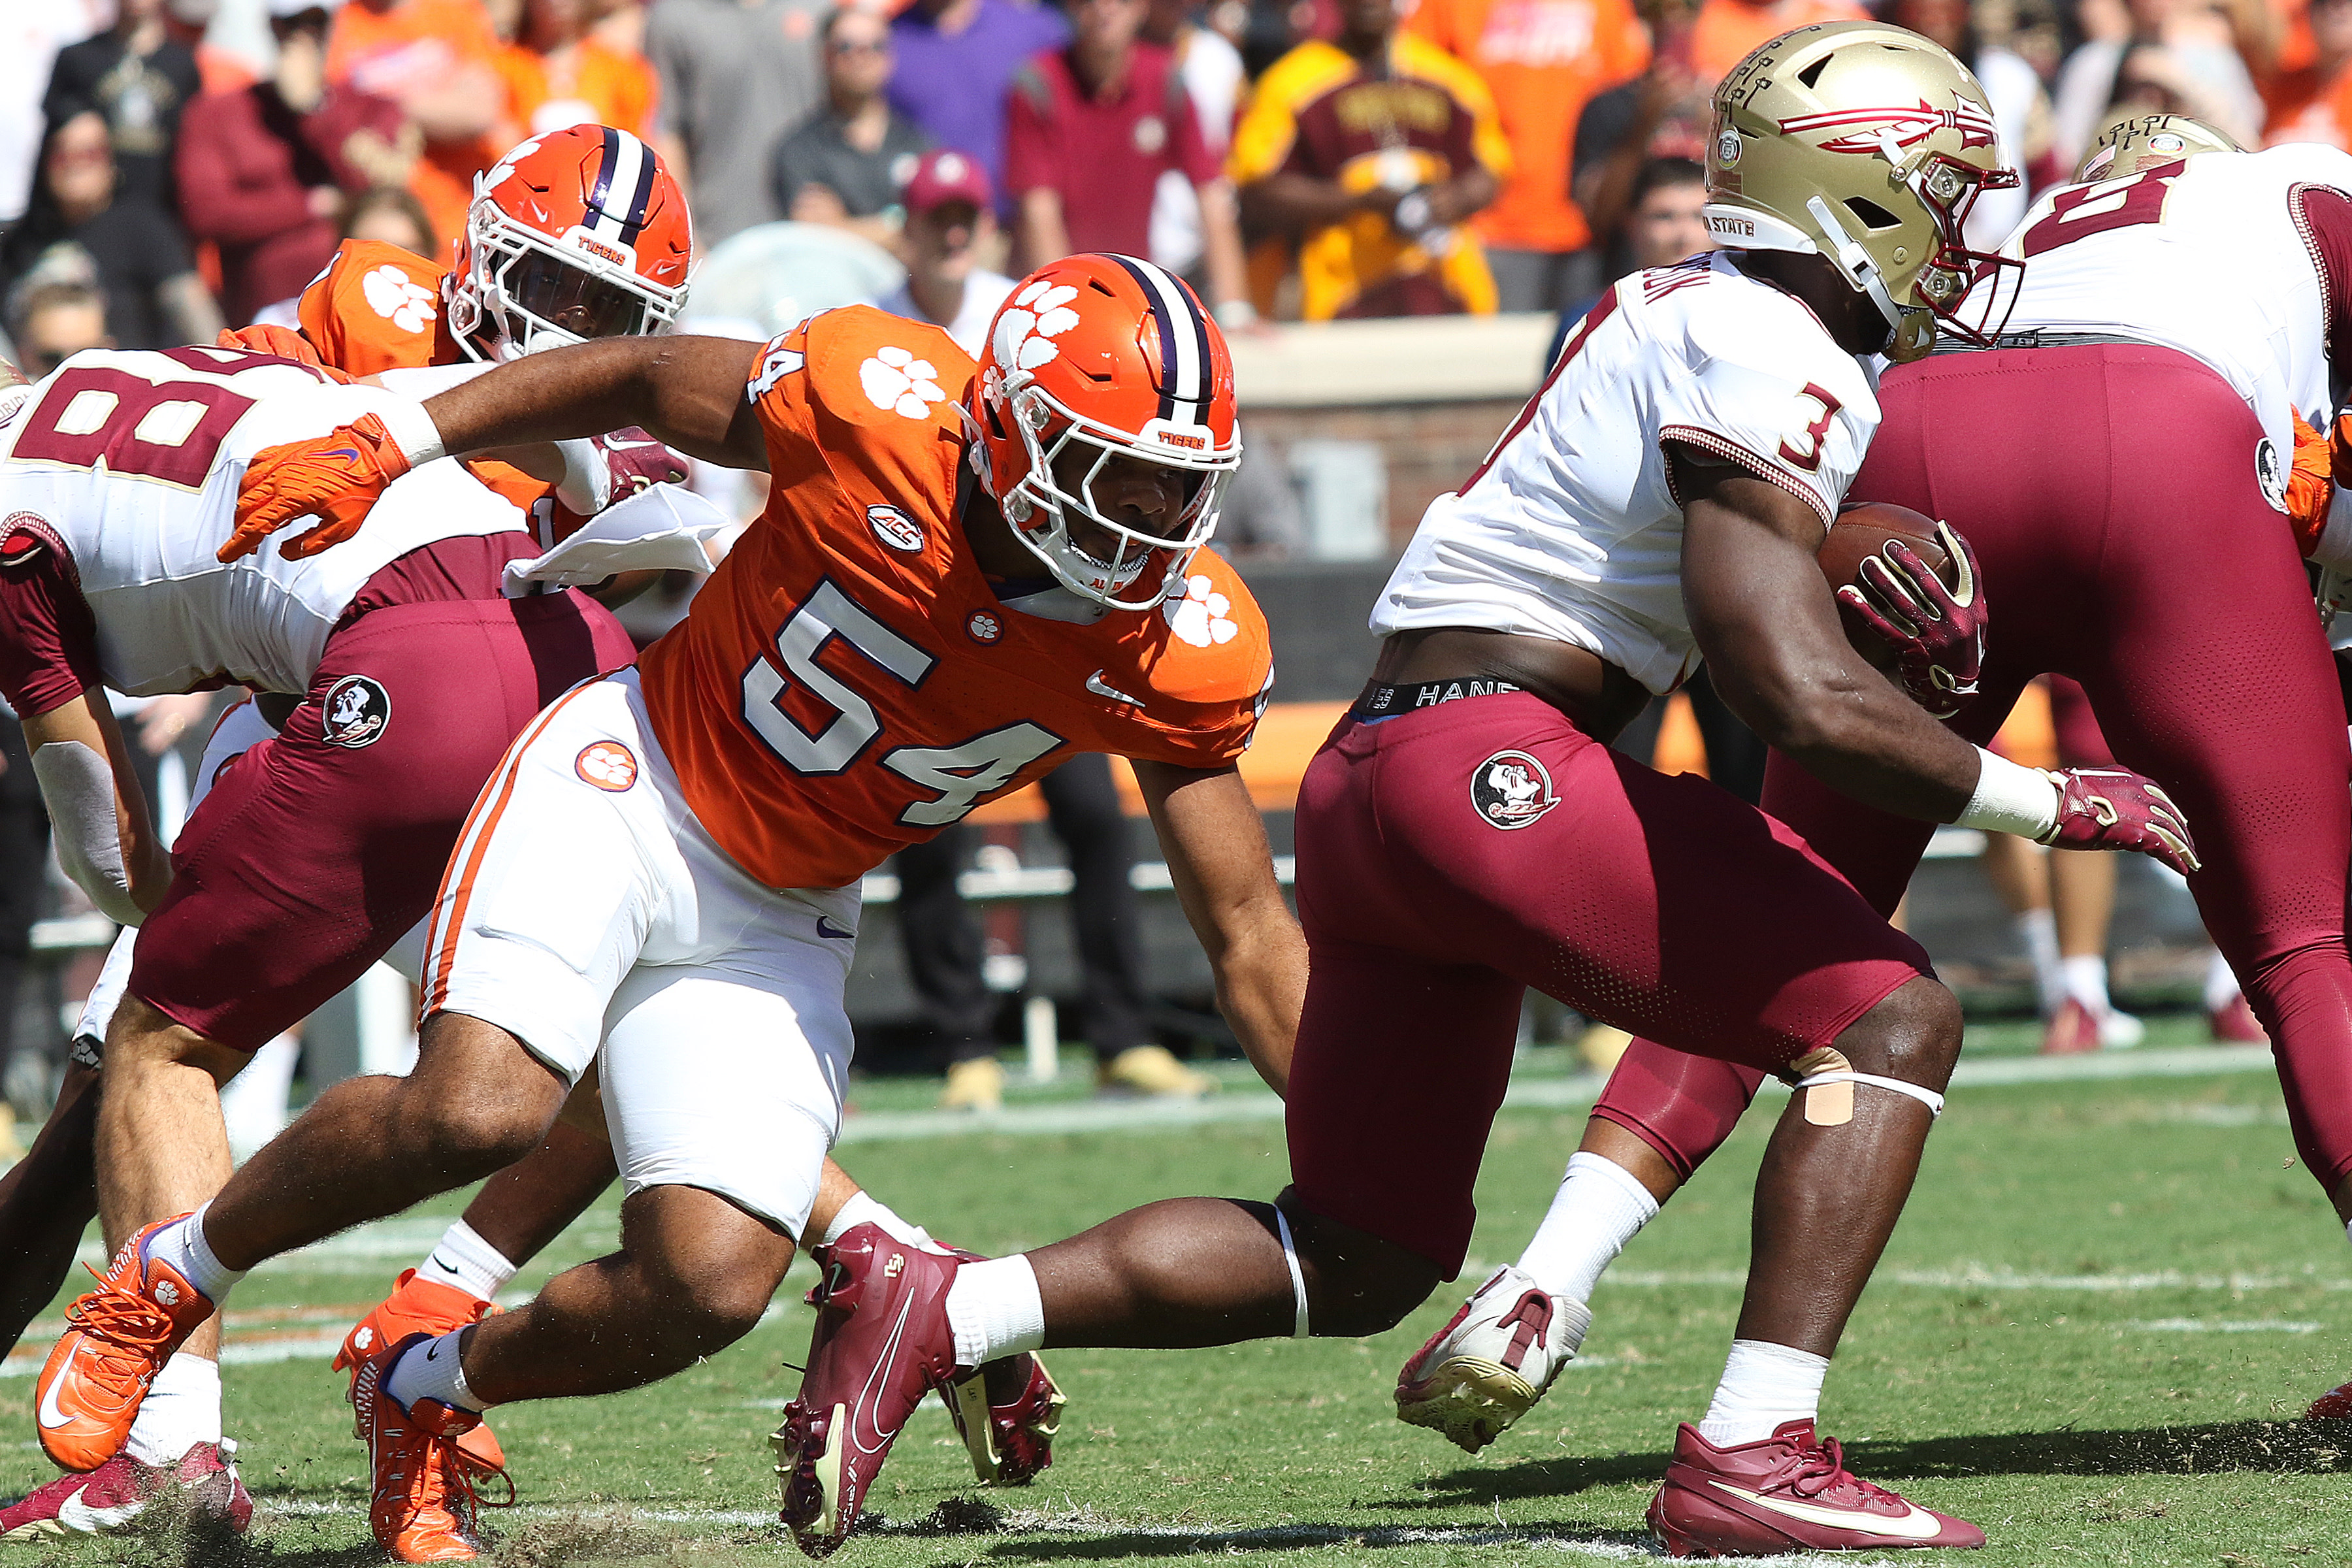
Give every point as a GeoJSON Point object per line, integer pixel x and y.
{"type": "Point", "coordinates": [2106, 1305]}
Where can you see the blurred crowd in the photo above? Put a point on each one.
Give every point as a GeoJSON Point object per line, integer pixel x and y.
{"type": "Point", "coordinates": [170, 166]}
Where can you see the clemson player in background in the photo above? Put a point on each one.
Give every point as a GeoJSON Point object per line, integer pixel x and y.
{"type": "Point", "coordinates": [528, 274]}
{"type": "Point", "coordinates": [576, 234]}
{"type": "Point", "coordinates": [961, 578]}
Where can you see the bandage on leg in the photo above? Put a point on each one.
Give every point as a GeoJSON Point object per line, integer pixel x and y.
{"type": "Point", "coordinates": [1825, 1080]}
{"type": "Point", "coordinates": [1300, 1329]}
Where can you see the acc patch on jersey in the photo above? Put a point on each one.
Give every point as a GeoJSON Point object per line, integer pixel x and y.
{"type": "Point", "coordinates": [895, 528]}
{"type": "Point", "coordinates": [608, 764]}
{"type": "Point", "coordinates": [356, 712]}
{"type": "Point", "coordinates": [1511, 789]}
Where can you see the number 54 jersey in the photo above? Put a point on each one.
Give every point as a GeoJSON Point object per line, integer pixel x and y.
{"type": "Point", "coordinates": [1570, 529]}
{"type": "Point", "coordinates": [848, 682]}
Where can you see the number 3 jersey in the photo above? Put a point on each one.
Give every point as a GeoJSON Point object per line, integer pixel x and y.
{"type": "Point", "coordinates": [2242, 260]}
{"type": "Point", "coordinates": [848, 682]}
{"type": "Point", "coordinates": [1570, 529]}
{"type": "Point", "coordinates": [119, 477]}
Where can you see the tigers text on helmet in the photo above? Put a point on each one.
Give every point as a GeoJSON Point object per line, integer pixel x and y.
{"type": "Point", "coordinates": [1096, 358]}
{"type": "Point", "coordinates": [1866, 144]}
{"type": "Point", "coordinates": [574, 234]}
{"type": "Point", "coordinates": [2145, 140]}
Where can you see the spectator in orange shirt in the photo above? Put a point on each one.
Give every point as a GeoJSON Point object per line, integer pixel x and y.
{"type": "Point", "coordinates": [1728, 31]}
{"type": "Point", "coordinates": [438, 60]}
{"type": "Point", "coordinates": [2320, 109]}
{"type": "Point", "coordinates": [560, 71]}
{"type": "Point", "coordinates": [1543, 60]}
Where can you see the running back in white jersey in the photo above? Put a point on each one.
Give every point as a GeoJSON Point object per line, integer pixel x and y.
{"type": "Point", "coordinates": [131, 460]}
{"type": "Point", "coordinates": [1571, 530]}
{"type": "Point", "coordinates": [2215, 256]}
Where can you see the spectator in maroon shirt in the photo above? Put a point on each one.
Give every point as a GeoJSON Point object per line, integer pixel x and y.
{"type": "Point", "coordinates": [1089, 129]}
{"type": "Point", "coordinates": [264, 171]}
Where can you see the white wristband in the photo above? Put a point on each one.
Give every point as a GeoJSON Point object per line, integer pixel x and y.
{"type": "Point", "coordinates": [412, 431]}
{"type": "Point", "coordinates": [2335, 547]}
{"type": "Point", "coordinates": [587, 482]}
{"type": "Point", "coordinates": [2011, 799]}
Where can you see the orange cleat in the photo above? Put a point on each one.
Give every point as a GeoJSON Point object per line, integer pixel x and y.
{"type": "Point", "coordinates": [419, 1306]}
{"type": "Point", "coordinates": [422, 1505]}
{"type": "Point", "coordinates": [116, 1339]}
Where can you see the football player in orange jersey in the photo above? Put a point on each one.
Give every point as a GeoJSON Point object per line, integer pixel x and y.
{"type": "Point", "coordinates": [550, 259]}
{"type": "Point", "coordinates": [961, 576]}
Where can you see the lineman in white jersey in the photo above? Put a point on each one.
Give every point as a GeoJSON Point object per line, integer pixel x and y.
{"type": "Point", "coordinates": [2124, 480]}
{"type": "Point", "coordinates": [1467, 833]}
{"type": "Point", "coordinates": [407, 673]}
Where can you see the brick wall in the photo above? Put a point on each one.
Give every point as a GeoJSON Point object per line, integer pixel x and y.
{"type": "Point", "coordinates": [1430, 448]}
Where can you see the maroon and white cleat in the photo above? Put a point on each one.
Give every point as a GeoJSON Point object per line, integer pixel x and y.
{"type": "Point", "coordinates": [1011, 1441]}
{"type": "Point", "coordinates": [110, 1500]}
{"type": "Point", "coordinates": [882, 1342]}
{"type": "Point", "coordinates": [1489, 1366]}
{"type": "Point", "coordinates": [2336, 1405]}
{"type": "Point", "coordinates": [1790, 1492]}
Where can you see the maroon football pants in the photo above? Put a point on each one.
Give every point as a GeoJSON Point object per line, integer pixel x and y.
{"type": "Point", "coordinates": [319, 849]}
{"type": "Point", "coordinates": [2112, 497]}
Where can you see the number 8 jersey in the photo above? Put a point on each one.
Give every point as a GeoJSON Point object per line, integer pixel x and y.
{"type": "Point", "coordinates": [848, 682]}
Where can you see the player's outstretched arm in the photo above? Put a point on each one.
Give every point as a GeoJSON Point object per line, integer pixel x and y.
{"type": "Point", "coordinates": [1215, 844]}
{"type": "Point", "coordinates": [688, 392]}
{"type": "Point", "coordinates": [1768, 628]}
{"type": "Point", "coordinates": [105, 838]}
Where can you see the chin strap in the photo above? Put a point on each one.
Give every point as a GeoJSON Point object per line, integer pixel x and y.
{"type": "Point", "coordinates": [1913, 331]}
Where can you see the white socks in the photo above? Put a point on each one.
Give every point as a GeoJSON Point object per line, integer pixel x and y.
{"type": "Point", "coordinates": [864, 1209]}
{"type": "Point", "coordinates": [182, 1245]}
{"type": "Point", "coordinates": [1763, 1385]}
{"type": "Point", "coordinates": [430, 1371]}
{"type": "Point", "coordinates": [2038, 930]}
{"type": "Point", "coordinates": [1599, 1208]}
{"type": "Point", "coordinates": [995, 1309]}
{"type": "Point", "coordinates": [2086, 979]}
{"type": "Point", "coordinates": [181, 1410]}
{"type": "Point", "coordinates": [462, 1258]}
{"type": "Point", "coordinates": [2220, 984]}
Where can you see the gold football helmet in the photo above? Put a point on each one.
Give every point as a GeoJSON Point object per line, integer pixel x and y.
{"type": "Point", "coordinates": [2145, 140]}
{"type": "Point", "coordinates": [1866, 144]}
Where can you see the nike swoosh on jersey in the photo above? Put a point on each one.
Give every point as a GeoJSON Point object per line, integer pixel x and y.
{"type": "Point", "coordinates": [1101, 688]}
{"type": "Point", "coordinates": [50, 1415]}
{"type": "Point", "coordinates": [881, 1374]}
{"type": "Point", "coordinates": [827, 927]}
{"type": "Point", "coordinates": [1916, 1525]}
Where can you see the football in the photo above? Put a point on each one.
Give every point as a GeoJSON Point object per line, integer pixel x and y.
{"type": "Point", "coordinates": [1865, 528]}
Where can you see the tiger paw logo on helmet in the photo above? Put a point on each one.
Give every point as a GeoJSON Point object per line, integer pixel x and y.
{"type": "Point", "coordinates": [896, 379]}
{"type": "Point", "coordinates": [1199, 617]}
{"type": "Point", "coordinates": [1026, 328]}
{"type": "Point", "coordinates": [400, 298]}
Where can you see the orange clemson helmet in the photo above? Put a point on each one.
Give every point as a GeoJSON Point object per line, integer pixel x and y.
{"type": "Point", "coordinates": [578, 233]}
{"type": "Point", "coordinates": [1094, 358]}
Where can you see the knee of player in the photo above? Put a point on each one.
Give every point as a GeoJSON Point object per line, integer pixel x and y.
{"type": "Point", "coordinates": [1912, 1035]}
{"type": "Point", "coordinates": [482, 1131]}
{"type": "Point", "coordinates": [1356, 1284]}
{"type": "Point", "coordinates": [139, 1038]}
{"type": "Point", "coordinates": [721, 1305]}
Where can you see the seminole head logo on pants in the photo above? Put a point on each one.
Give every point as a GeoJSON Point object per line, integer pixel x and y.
{"type": "Point", "coordinates": [1511, 789]}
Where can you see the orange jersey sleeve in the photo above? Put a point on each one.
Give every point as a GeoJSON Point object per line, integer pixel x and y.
{"type": "Point", "coordinates": [848, 682]}
{"type": "Point", "coordinates": [377, 308]}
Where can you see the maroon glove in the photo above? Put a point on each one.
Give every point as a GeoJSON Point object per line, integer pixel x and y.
{"type": "Point", "coordinates": [2115, 808]}
{"type": "Point", "coordinates": [1937, 633]}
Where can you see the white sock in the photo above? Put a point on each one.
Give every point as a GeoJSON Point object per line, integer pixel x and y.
{"type": "Point", "coordinates": [2038, 930]}
{"type": "Point", "coordinates": [995, 1309]}
{"type": "Point", "coordinates": [1763, 1385]}
{"type": "Point", "coordinates": [2086, 982]}
{"type": "Point", "coordinates": [1599, 1208]}
{"type": "Point", "coordinates": [2220, 983]}
{"type": "Point", "coordinates": [182, 1245]}
{"type": "Point", "coordinates": [181, 1410]}
{"type": "Point", "coordinates": [864, 1209]}
{"type": "Point", "coordinates": [431, 1371]}
{"type": "Point", "coordinates": [462, 1258]}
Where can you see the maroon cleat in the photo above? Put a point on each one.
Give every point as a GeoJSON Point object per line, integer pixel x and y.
{"type": "Point", "coordinates": [2336, 1405]}
{"type": "Point", "coordinates": [1790, 1492]}
{"type": "Point", "coordinates": [882, 1342]}
{"type": "Point", "coordinates": [113, 1499]}
{"type": "Point", "coordinates": [1012, 1440]}
{"type": "Point", "coordinates": [2235, 1025]}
